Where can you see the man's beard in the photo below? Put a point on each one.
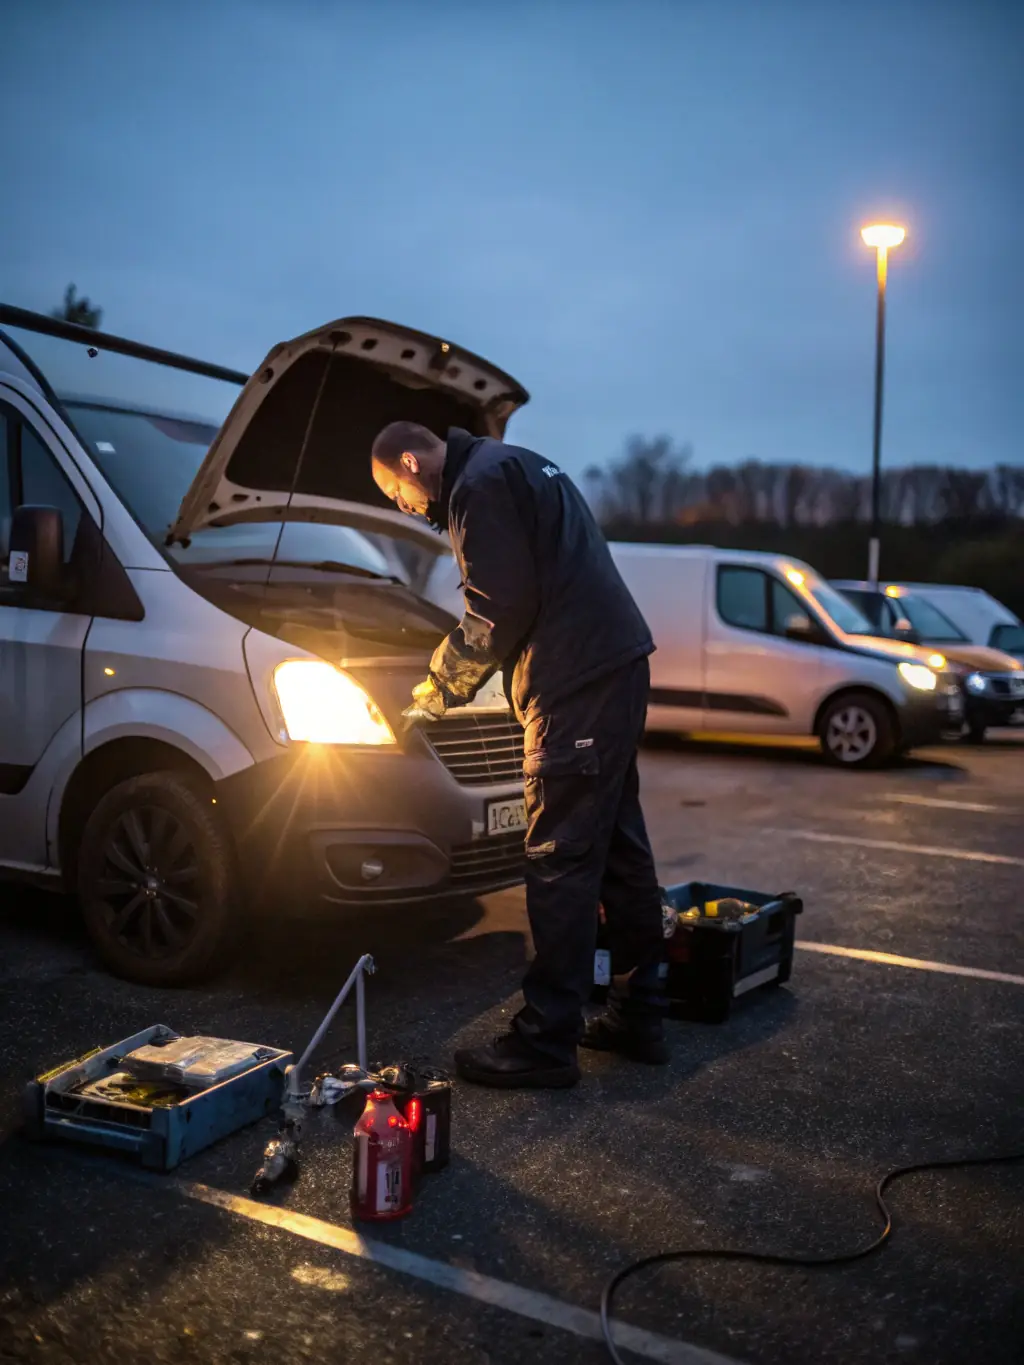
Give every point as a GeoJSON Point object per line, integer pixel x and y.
{"type": "Point", "coordinates": [436, 517]}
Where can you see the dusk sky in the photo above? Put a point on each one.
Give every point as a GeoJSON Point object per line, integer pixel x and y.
{"type": "Point", "coordinates": [646, 212]}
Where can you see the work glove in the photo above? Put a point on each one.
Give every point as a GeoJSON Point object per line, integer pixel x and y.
{"type": "Point", "coordinates": [428, 703]}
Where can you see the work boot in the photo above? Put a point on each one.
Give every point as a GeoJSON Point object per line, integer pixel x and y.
{"type": "Point", "coordinates": [509, 1063]}
{"type": "Point", "coordinates": [633, 1023]}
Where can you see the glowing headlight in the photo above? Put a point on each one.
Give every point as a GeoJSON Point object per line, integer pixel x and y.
{"type": "Point", "coordinates": [325, 706]}
{"type": "Point", "coordinates": [976, 682]}
{"type": "Point", "coordinates": [917, 675]}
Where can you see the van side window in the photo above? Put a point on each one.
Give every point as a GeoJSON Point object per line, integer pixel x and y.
{"type": "Point", "coordinates": [743, 597]}
{"type": "Point", "coordinates": [785, 605]}
{"type": "Point", "coordinates": [44, 485]}
{"type": "Point", "coordinates": [29, 475]}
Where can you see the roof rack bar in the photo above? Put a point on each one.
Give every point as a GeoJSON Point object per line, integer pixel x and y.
{"type": "Point", "coordinates": [104, 341]}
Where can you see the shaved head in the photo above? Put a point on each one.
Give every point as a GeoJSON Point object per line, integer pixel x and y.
{"type": "Point", "coordinates": [408, 462]}
{"type": "Point", "coordinates": [396, 438]}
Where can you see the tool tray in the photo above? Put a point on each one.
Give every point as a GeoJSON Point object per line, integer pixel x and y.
{"type": "Point", "coordinates": [711, 962]}
{"type": "Point", "coordinates": [92, 1101]}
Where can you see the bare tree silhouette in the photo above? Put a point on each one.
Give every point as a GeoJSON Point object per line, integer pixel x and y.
{"type": "Point", "coordinates": [78, 310]}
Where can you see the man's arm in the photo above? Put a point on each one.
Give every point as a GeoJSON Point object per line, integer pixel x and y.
{"type": "Point", "coordinates": [492, 543]}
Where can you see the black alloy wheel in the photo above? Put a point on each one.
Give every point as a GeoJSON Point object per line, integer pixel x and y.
{"type": "Point", "coordinates": [156, 879]}
{"type": "Point", "coordinates": [149, 882]}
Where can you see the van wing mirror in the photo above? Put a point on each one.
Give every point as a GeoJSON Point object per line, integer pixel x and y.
{"type": "Point", "coordinates": [36, 551]}
{"type": "Point", "coordinates": [904, 627]}
{"type": "Point", "coordinates": [801, 627]}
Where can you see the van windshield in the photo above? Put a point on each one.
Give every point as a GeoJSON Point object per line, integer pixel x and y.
{"type": "Point", "coordinates": [151, 459]}
{"type": "Point", "coordinates": [930, 623]}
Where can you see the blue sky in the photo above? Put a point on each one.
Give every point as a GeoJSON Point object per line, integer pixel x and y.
{"type": "Point", "coordinates": [647, 212]}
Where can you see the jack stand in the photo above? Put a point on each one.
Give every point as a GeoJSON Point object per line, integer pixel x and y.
{"type": "Point", "coordinates": [281, 1155]}
{"type": "Point", "coordinates": [293, 1075]}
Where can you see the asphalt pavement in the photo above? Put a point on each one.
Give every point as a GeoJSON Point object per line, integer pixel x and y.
{"type": "Point", "coordinates": [767, 1131]}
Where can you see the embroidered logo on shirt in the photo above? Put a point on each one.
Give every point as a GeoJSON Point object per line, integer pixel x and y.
{"type": "Point", "coordinates": [584, 743]}
{"type": "Point", "coordinates": [551, 470]}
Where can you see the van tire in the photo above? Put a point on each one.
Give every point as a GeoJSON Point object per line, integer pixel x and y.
{"type": "Point", "coordinates": [975, 733]}
{"type": "Point", "coordinates": [158, 839]}
{"type": "Point", "coordinates": [857, 730]}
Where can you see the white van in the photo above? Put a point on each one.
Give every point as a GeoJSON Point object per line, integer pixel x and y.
{"type": "Point", "coordinates": [199, 703]}
{"type": "Point", "coordinates": [757, 643]}
{"type": "Point", "coordinates": [975, 612]}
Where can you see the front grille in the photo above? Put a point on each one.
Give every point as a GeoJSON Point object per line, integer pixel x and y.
{"type": "Point", "coordinates": [488, 863]}
{"type": "Point", "coordinates": [479, 750]}
{"type": "Point", "coordinates": [1007, 685]}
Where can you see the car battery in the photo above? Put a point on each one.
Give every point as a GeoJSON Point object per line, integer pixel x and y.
{"type": "Point", "coordinates": [726, 941]}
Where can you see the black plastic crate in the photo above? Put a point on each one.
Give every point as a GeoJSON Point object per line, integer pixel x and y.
{"type": "Point", "coordinates": [712, 961]}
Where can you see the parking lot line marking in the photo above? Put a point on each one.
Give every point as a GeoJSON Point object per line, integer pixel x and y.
{"type": "Point", "coordinates": [934, 801]}
{"type": "Point", "coordinates": [918, 963]}
{"type": "Point", "coordinates": [527, 1303]}
{"type": "Point", "coordinates": [963, 854]}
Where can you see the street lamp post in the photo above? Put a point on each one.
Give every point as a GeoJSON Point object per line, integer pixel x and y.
{"type": "Point", "coordinates": [881, 236]}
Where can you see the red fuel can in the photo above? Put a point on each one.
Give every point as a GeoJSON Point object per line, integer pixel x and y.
{"type": "Point", "coordinates": [382, 1161]}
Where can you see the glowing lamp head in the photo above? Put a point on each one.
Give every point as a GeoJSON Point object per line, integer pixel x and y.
{"type": "Point", "coordinates": [883, 235]}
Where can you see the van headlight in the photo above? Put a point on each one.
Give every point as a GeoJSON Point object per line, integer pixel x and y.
{"type": "Point", "coordinates": [976, 682]}
{"type": "Point", "coordinates": [323, 705]}
{"type": "Point", "coordinates": [919, 676]}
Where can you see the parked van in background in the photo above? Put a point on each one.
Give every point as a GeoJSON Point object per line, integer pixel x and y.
{"type": "Point", "coordinates": [993, 682]}
{"type": "Point", "coordinates": [972, 610]}
{"type": "Point", "coordinates": [761, 644]}
{"type": "Point", "coordinates": [203, 657]}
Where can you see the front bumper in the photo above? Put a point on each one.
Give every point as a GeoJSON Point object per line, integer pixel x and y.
{"type": "Point", "coordinates": [357, 826]}
{"type": "Point", "coordinates": [989, 711]}
{"type": "Point", "coordinates": [928, 717]}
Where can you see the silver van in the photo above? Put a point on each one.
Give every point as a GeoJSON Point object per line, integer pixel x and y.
{"type": "Point", "coordinates": [207, 638]}
{"type": "Point", "coordinates": [755, 643]}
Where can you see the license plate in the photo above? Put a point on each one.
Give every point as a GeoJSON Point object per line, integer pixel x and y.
{"type": "Point", "coordinates": [505, 817]}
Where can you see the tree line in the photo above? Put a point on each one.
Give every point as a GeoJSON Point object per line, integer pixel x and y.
{"type": "Point", "coordinates": [940, 524]}
{"type": "Point", "coordinates": [652, 483]}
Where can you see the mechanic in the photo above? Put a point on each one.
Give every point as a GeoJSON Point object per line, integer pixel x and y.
{"type": "Point", "coordinates": [545, 603]}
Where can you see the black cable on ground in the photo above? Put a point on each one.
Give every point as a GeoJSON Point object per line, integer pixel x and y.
{"type": "Point", "coordinates": [769, 1258]}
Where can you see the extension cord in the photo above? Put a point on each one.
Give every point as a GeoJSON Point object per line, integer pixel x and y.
{"type": "Point", "coordinates": [769, 1258]}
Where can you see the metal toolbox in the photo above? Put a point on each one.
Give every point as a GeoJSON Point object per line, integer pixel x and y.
{"type": "Point", "coordinates": [93, 1101]}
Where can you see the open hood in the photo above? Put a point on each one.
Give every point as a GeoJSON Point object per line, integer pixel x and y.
{"type": "Point", "coordinates": [296, 444]}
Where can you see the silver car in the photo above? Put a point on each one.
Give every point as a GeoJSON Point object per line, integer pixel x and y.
{"type": "Point", "coordinates": [208, 634]}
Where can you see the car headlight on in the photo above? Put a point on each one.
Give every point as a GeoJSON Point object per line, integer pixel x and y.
{"type": "Point", "coordinates": [322, 705]}
{"type": "Point", "coordinates": [919, 676]}
{"type": "Point", "coordinates": [976, 682]}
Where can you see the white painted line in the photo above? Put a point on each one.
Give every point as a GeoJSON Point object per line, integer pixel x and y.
{"type": "Point", "coordinates": [937, 804]}
{"type": "Point", "coordinates": [918, 963]}
{"type": "Point", "coordinates": [962, 854]}
{"type": "Point", "coordinates": [527, 1303]}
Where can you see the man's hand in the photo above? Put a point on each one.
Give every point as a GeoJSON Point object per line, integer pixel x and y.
{"type": "Point", "coordinates": [428, 703]}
